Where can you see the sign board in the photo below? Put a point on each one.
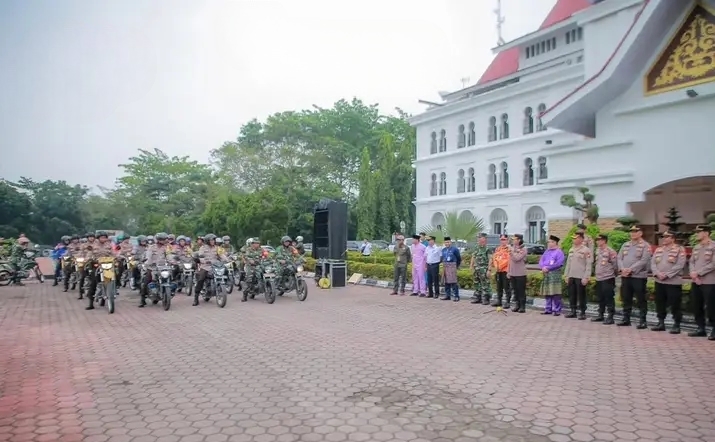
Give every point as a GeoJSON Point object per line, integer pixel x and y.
{"type": "Point", "coordinates": [355, 279]}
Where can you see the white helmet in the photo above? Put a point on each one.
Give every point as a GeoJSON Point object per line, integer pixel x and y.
{"type": "Point", "coordinates": [249, 241]}
{"type": "Point", "coordinates": [299, 239]}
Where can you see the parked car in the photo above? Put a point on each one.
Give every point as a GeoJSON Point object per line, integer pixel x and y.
{"type": "Point", "coordinates": [379, 244]}
{"type": "Point", "coordinates": [353, 246]}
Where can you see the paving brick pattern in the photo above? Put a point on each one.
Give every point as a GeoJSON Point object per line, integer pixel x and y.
{"type": "Point", "coordinates": [350, 364]}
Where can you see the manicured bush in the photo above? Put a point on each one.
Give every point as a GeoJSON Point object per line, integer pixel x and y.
{"type": "Point", "coordinates": [567, 243]}
{"type": "Point", "coordinates": [389, 259]}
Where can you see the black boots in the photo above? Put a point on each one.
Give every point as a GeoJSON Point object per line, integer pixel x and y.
{"type": "Point", "coordinates": [609, 319]}
{"type": "Point", "coordinates": [642, 324]}
{"type": "Point", "coordinates": [711, 337]}
{"type": "Point", "coordinates": [626, 321]}
{"type": "Point", "coordinates": [91, 303]}
{"type": "Point", "coordinates": [571, 315]}
{"type": "Point", "coordinates": [476, 299]}
{"type": "Point", "coordinates": [598, 318]}
{"type": "Point", "coordinates": [196, 300]}
{"type": "Point", "coordinates": [698, 333]}
{"type": "Point", "coordinates": [675, 330]}
{"type": "Point", "coordinates": [660, 326]}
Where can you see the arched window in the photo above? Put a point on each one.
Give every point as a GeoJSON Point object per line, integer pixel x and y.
{"type": "Point", "coordinates": [503, 175]}
{"type": "Point", "coordinates": [539, 125]}
{"type": "Point", "coordinates": [461, 182]}
{"type": "Point", "coordinates": [528, 172]}
{"type": "Point", "coordinates": [461, 137]}
{"type": "Point", "coordinates": [492, 129]}
{"type": "Point", "coordinates": [492, 177]}
{"type": "Point", "coordinates": [504, 127]}
{"type": "Point", "coordinates": [471, 181]}
{"type": "Point", "coordinates": [442, 183]}
{"type": "Point", "coordinates": [433, 143]}
{"type": "Point", "coordinates": [472, 135]}
{"type": "Point", "coordinates": [543, 170]}
{"type": "Point", "coordinates": [528, 121]}
{"type": "Point", "coordinates": [433, 185]}
{"type": "Point", "coordinates": [443, 141]}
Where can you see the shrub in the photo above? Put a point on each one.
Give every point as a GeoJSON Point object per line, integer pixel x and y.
{"type": "Point", "coordinates": [617, 238]}
{"type": "Point", "coordinates": [592, 230]}
{"type": "Point", "coordinates": [388, 258]}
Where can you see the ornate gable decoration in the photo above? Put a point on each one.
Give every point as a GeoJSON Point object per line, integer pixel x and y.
{"type": "Point", "coordinates": [689, 59]}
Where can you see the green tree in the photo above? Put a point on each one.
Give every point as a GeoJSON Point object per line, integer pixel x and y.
{"type": "Point", "coordinates": [458, 227]}
{"type": "Point", "coordinates": [587, 207]}
{"type": "Point", "coordinates": [366, 207]}
{"type": "Point", "coordinates": [15, 211]}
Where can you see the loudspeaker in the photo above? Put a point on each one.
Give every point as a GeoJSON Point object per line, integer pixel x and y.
{"type": "Point", "coordinates": [330, 230]}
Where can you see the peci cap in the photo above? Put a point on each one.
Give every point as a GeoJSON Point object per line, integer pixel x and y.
{"type": "Point", "coordinates": [432, 238]}
{"type": "Point", "coordinates": [554, 238]}
{"type": "Point", "coordinates": [581, 226]}
{"type": "Point", "coordinates": [635, 229]}
{"type": "Point", "coordinates": [703, 228]}
{"type": "Point", "coordinates": [447, 238]}
{"type": "Point", "coordinates": [416, 237]}
{"type": "Point", "coordinates": [602, 237]}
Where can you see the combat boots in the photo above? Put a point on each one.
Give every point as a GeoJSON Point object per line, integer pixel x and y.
{"type": "Point", "coordinates": [711, 337]}
{"type": "Point", "coordinates": [660, 327]}
{"type": "Point", "coordinates": [609, 319]}
{"type": "Point", "coordinates": [572, 314]}
{"type": "Point", "coordinates": [598, 318]}
{"type": "Point", "coordinates": [675, 330]}
{"type": "Point", "coordinates": [698, 333]}
{"type": "Point", "coordinates": [642, 324]}
{"type": "Point", "coordinates": [476, 299]}
{"type": "Point", "coordinates": [626, 321]}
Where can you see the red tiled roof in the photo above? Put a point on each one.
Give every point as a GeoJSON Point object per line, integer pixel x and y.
{"type": "Point", "coordinates": [507, 62]}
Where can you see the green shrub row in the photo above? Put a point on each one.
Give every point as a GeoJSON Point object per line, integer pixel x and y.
{"type": "Point", "coordinates": [385, 272]}
{"type": "Point", "coordinates": [389, 259]}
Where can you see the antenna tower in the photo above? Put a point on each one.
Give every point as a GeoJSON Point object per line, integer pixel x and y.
{"type": "Point", "coordinates": [500, 22]}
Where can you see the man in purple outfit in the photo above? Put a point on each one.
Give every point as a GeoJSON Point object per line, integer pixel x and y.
{"type": "Point", "coordinates": [551, 265]}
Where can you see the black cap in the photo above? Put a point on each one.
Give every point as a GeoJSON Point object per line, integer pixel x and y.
{"type": "Point", "coordinates": [635, 229]}
{"type": "Point", "coordinates": [415, 237]}
{"type": "Point", "coordinates": [423, 234]}
{"type": "Point", "coordinates": [447, 238]}
{"type": "Point", "coordinates": [518, 236]}
{"type": "Point", "coordinates": [581, 226]}
{"type": "Point", "coordinates": [432, 238]}
{"type": "Point", "coordinates": [554, 238]}
{"type": "Point", "coordinates": [602, 236]}
{"type": "Point", "coordinates": [703, 228]}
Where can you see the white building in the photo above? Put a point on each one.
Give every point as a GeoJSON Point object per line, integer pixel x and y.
{"type": "Point", "coordinates": [614, 95]}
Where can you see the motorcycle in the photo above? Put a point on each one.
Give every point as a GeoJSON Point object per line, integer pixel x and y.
{"type": "Point", "coordinates": [79, 265]}
{"type": "Point", "coordinates": [28, 267]}
{"type": "Point", "coordinates": [268, 281]}
{"type": "Point", "coordinates": [107, 286]}
{"type": "Point", "coordinates": [187, 277]}
{"type": "Point", "coordinates": [294, 279]}
{"type": "Point", "coordinates": [127, 276]}
{"type": "Point", "coordinates": [231, 278]}
{"type": "Point", "coordinates": [217, 286]}
{"type": "Point", "coordinates": [161, 287]}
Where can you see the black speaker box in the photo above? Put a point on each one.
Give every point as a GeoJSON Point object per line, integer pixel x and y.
{"type": "Point", "coordinates": [330, 231]}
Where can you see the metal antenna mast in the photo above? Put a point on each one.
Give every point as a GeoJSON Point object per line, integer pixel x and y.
{"type": "Point", "coordinates": [500, 22]}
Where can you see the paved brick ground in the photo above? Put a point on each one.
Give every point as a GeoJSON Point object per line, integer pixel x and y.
{"type": "Point", "coordinates": [353, 364]}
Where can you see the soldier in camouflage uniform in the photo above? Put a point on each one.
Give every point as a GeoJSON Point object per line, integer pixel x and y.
{"type": "Point", "coordinates": [74, 250]}
{"type": "Point", "coordinates": [285, 256]}
{"type": "Point", "coordinates": [481, 270]}
{"type": "Point", "coordinates": [208, 254]}
{"type": "Point", "coordinates": [252, 258]}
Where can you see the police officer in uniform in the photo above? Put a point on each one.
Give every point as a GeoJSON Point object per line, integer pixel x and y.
{"type": "Point", "coordinates": [98, 249]}
{"type": "Point", "coordinates": [207, 254]}
{"type": "Point", "coordinates": [578, 274]}
{"type": "Point", "coordinates": [74, 250]}
{"type": "Point", "coordinates": [606, 271]}
{"type": "Point", "coordinates": [667, 265]}
{"type": "Point", "coordinates": [702, 274]}
{"type": "Point", "coordinates": [155, 254]}
{"type": "Point", "coordinates": [633, 262]}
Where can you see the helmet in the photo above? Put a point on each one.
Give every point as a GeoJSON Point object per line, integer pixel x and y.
{"type": "Point", "coordinates": [299, 239]}
{"type": "Point", "coordinates": [161, 236]}
{"type": "Point", "coordinates": [180, 237]}
{"type": "Point", "coordinates": [286, 238]}
{"type": "Point", "coordinates": [74, 237]}
{"type": "Point", "coordinates": [141, 238]}
{"type": "Point", "coordinates": [171, 236]}
{"type": "Point", "coordinates": [150, 238]}
{"type": "Point", "coordinates": [121, 237]}
{"type": "Point", "coordinates": [226, 238]}
{"type": "Point", "coordinates": [255, 241]}
{"type": "Point", "coordinates": [209, 237]}
{"type": "Point", "coordinates": [91, 235]}
{"type": "Point", "coordinates": [249, 241]}
{"type": "Point", "coordinates": [83, 239]}
{"type": "Point", "coordinates": [102, 233]}
{"type": "Point", "coordinates": [219, 240]}
{"type": "Point", "coordinates": [65, 238]}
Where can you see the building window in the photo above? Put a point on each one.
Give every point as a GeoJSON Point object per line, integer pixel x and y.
{"type": "Point", "coordinates": [461, 138]}
{"type": "Point", "coordinates": [574, 35]}
{"type": "Point", "coordinates": [433, 185]}
{"type": "Point", "coordinates": [528, 172]}
{"type": "Point", "coordinates": [471, 181]}
{"type": "Point", "coordinates": [528, 121]}
{"type": "Point", "coordinates": [504, 176]}
{"type": "Point", "coordinates": [443, 141]}
{"type": "Point", "coordinates": [472, 136]}
{"type": "Point", "coordinates": [504, 127]}
{"type": "Point", "coordinates": [539, 125]}
{"type": "Point", "coordinates": [492, 129]}
{"type": "Point", "coordinates": [492, 177]}
{"type": "Point", "coordinates": [433, 143]}
{"type": "Point", "coordinates": [543, 170]}
{"type": "Point", "coordinates": [442, 183]}
{"type": "Point", "coordinates": [528, 52]}
{"type": "Point", "coordinates": [579, 34]}
{"type": "Point", "coordinates": [553, 43]}
{"type": "Point", "coordinates": [461, 182]}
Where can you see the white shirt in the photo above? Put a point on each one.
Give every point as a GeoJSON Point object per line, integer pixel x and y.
{"type": "Point", "coordinates": [433, 254]}
{"type": "Point", "coordinates": [366, 249]}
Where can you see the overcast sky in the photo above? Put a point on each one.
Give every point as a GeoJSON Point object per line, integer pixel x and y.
{"type": "Point", "coordinates": [84, 83]}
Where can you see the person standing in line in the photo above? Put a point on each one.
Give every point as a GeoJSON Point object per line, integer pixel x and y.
{"type": "Point", "coordinates": [433, 256]}
{"type": "Point", "coordinates": [451, 259]}
{"type": "Point", "coordinates": [606, 271]}
{"type": "Point", "coordinates": [481, 265]}
{"type": "Point", "coordinates": [500, 263]}
{"type": "Point", "coordinates": [366, 248]}
{"type": "Point", "coordinates": [425, 242]}
{"type": "Point", "coordinates": [702, 273]}
{"type": "Point", "coordinates": [402, 258]}
{"type": "Point", "coordinates": [551, 264]}
{"type": "Point", "coordinates": [517, 272]}
{"type": "Point", "coordinates": [417, 251]}
{"type": "Point", "coordinates": [587, 240]}
{"type": "Point", "coordinates": [578, 274]}
{"type": "Point", "coordinates": [667, 264]}
{"type": "Point", "coordinates": [633, 262]}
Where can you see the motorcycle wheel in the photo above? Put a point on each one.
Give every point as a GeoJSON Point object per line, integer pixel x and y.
{"type": "Point", "coordinates": [229, 286]}
{"type": "Point", "coordinates": [110, 291]}
{"type": "Point", "coordinates": [271, 292]}
{"type": "Point", "coordinates": [166, 298]}
{"type": "Point", "coordinates": [190, 285]}
{"type": "Point", "coordinates": [301, 289]}
{"type": "Point", "coordinates": [5, 277]}
{"type": "Point", "coordinates": [221, 295]}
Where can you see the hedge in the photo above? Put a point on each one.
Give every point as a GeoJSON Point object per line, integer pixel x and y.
{"type": "Point", "coordinates": [385, 272]}
{"type": "Point", "coordinates": [389, 259]}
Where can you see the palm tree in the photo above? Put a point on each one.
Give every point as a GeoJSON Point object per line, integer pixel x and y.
{"type": "Point", "coordinates": [463, 227]}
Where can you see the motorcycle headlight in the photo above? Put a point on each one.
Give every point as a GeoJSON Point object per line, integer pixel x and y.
{"type": "Point", "coordinates": [187, 266]}
{"type": "Point", "coordinates": [220, 271]}
{"type": "Point", "coordinates": [107, 266]}
{"type": "Point", "coordinates": [165, 274]}
{"type": "Point", "coordinates": [300, 268]}
{"type": "Point", "coordinates": [80, 260]}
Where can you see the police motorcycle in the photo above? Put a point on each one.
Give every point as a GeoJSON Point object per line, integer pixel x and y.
{"type": "Point", "coordinates": [231, 269]}
{"type": "Point", "coordinates": [161, 287]}
{"type": "Point", "coordinates": [216, 283]}
{"type": "Point", "coordinates": [28, 268]}
{"type": "Point", "coordinates": [254, 282]}
{"type": "Point", "coordinates": [188, 271]}
{"type": "Point", "coordinates": [294, 279]}
{"type": "Point", "coordinates": [268, 280]}
{"type": "Point", "coordinates": [106, 292]}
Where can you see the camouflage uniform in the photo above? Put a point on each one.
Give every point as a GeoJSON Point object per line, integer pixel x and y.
{"type": "Point", "coordinates": [482, 256]}
{"type": "Point", "coordinates": [74, 250]}
{"type": "Point", "coordinates": [253, 258]}
{"type": "Point", "coordinates": [287, 255]}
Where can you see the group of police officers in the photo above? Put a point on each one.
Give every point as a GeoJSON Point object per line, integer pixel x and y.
{"type": "Point", "coordinates": [164, 249]}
